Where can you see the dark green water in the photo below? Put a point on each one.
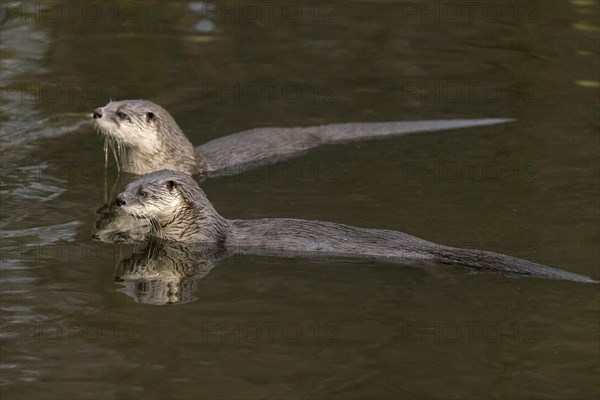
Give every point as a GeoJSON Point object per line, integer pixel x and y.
{"type": "Point", "coordinates": [263, 327]}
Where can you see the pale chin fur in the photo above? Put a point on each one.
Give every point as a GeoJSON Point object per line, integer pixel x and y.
{"type": "Point", "coordinates": [139, 139]}
{"type": "Point", "coordinates": [122, 147]}
{"type": "Point", "coordinates": [105, 128]}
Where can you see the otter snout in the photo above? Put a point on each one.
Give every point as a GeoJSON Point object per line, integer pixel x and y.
{"type": "Point", "coordinates": [97, 113]}
{"type": "Point", "coordinates": [120, 200]}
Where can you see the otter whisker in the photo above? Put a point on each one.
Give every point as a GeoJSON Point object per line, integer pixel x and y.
{"type": "Point", "coordinates": [114, 145]}
{"type": "Point", "coordinates": [150, 222]}
{"type": "Point", "coordinates": [106, 154]}
{"type": "Point", "coordinates": [106, 169]}
{"type": "Point", "coordinates": [156, 228]}
{"type": "Point", "coordinates": [117, 154]}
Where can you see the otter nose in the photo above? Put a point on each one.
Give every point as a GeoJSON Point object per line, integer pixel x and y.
{"type": "Point", "coordinates": [97, 113]}
{"type": "Point", "coordinates": [120, 201]}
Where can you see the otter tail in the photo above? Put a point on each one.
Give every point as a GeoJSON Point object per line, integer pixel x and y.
{"type": "Point", "coordinates": [486, 260]}
{"type": "Point", "coordinates": [337, 133]}
{"type": "Point", "coordinates": [248, 149]}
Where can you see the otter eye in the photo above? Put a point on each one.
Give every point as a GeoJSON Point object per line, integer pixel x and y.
{"type": "Point", "coordinates": [150, 116]}
{"type": "Point", "coordinates": [142, 193]}
{"type": "Point", "coordinates": [170, 184]}
{"type": "Point", "coordinates": [121, 115]}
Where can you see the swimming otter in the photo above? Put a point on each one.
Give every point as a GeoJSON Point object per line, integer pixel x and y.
{"type": "Point", "coordinates": [146, 138]}
{"type": "Point", "coordinates": [178, 211]}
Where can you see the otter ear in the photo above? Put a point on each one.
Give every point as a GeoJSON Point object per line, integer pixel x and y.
{"type": "Point", "coordinates": [150, 116]}
{"type": "Point", "coordinates": [171, 185]}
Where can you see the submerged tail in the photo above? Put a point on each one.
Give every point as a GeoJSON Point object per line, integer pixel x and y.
{"type": "Point", "coordinates": [265, 145]}
{"type": "Point", "coordinates": [487, 260]}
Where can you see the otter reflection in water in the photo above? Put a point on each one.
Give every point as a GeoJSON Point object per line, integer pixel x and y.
{"type": "Point", "coordinates": [145, 138]}
{"type": "Point", "coordinates": [114, 226]}
{"type": "Point", "coordinates": [179, 212]}
{"type": "Point", "coordinates": [166, 274]}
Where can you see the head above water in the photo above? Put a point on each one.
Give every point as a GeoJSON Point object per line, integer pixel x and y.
{"type": "Point", "coordinates": [176, 206]}
{"type": "Point", "coordinates": [145, 137]}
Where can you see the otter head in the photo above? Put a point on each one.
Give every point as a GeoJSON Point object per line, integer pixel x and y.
{"type": "Point", "coordinates": [176, 207]}
{"type": "Point", "coordinates": [145, 137]}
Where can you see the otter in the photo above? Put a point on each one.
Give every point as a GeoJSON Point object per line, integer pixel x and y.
{"type": "Point", "coordinates": [145, 138]}
{"type": "Point", "coordinates": [179, 212]}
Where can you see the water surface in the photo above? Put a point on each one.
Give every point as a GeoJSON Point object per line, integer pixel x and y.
{"type": "Point", "coordinates": [266, 327]}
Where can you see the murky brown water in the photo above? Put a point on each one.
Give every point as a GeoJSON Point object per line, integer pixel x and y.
{"type": "Point", "coordinates": [263, 327]}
